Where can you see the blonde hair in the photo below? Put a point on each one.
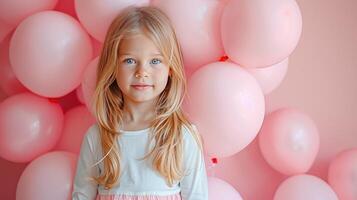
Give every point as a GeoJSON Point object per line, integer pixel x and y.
{"type": "Point", "coordinates": [166, 129]}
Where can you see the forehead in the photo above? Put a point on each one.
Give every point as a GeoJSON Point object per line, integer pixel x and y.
{"type": "Point", "coordinates": [138, 43]}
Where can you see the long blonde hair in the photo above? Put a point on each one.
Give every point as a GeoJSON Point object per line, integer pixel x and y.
{"type": "Point", "coordinates": [166, 129]}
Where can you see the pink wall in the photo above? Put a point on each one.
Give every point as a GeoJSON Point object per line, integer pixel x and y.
{"type": "Point", "coordinates": [321, 81]}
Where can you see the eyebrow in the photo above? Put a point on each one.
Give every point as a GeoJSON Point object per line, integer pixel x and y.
{"type": "Point", "coordinates": [128, 54]}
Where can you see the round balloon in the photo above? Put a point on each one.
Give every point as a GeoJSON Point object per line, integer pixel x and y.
{"type": "Point", "coordinates": [259, 33]}
{"type": "Point", "coordinates": [302, 187]}
{"type": "Point", "coordinates": [76, 122]}
{"type": "Point", "coordinates": [197, 30]}
{"type": "Point", "coordinates": [342, 174]}
{"type": "Point", "coordinates": [227, 105]}
{"type": "Point", "coordinates": [49, 176]}
{"type": "Point", "coordinates": [217, 188]}
{"type": "Point", "coordinates": [29, 127]}
{"type": "Point", "coordinates": [289, 141]}
{"type": "Point", "coordinates": [48, 52]}
{"type": "Point", "coordinates": [269, 78]}
{"type": "Point", "coordinates": [96, 16]}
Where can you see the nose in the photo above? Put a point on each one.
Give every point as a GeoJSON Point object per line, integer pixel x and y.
{"type": "Point", "coordinates": [141, 71]}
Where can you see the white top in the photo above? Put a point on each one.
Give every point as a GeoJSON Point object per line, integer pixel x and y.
{"type": "Point", "coordinates": [138, 177]}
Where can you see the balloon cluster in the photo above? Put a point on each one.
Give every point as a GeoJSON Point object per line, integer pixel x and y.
{"type": "Point", "coordinates": [235, 52]}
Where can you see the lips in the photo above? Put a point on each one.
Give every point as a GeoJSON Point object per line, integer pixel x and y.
{"type": "Point", "coordinates": [140, 85]}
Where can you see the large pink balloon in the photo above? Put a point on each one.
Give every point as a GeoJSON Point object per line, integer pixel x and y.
{"type": "Point", "coordinates": [96, 16]}
{"type": "Point", "coordinates": [48, 52]}
{"type": "Point", "coordinates": [227, 105]}
{"type": "Point", "coordinates": [258, 33]}
{"type": "Point", "coordinates": [12, 12]}
{"type": "Point", "coordinates": [217, 189]}
{"type": "Point", "coordinates": [342, 174]}
{"type": "Point", "coordinates": [29, 126]}
{"type": "Point", "coordinates": [89, 83]}
{"type": "Point", "coordinates": [197, 29]}
{"type": "Point", "coordinates": [304, 187]}
{"type": "Point", "coordinates": [8, 81]}
{"type": "Point", "coordinates": [269, 78]}
{"type": "Point", "coordinates": [49, 176]}
{"type": "Point", "coordinates": [76, 122]}
{"type": "Point", "coordinates": [289, 141]}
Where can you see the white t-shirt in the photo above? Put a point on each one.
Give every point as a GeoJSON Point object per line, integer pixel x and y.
{"type": "Point", "coordinates": [137, 176]}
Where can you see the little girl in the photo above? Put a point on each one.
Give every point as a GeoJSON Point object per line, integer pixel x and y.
{"type": "Point", "coordinates": [142, 146]}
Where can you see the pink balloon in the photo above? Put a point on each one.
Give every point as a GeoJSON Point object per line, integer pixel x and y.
{"type": "Point", "coordinates": [289, 141]}
{"type": "Point", "coordinates": [8, 81]}
{"type": "Point", "coordinates": [342, 174]}
{"type": "Point", "coordinates": [96, 16]}
{"type": "Point", "coordinates": [29, 126]}
{"type": "Point", "coordinates": [48, 52]}
{"type": "Point", "coordinates": [259, 33]}
{"type": "Point", "coordinates": [269, 78]}
{"type": "Point", "coordinates": [303, 187]}
{"type": "Point", "coordinates": [49, 176]}
{"type": "Point", "coordinates": [217, 189]}
{"type": "Point", "coordinates": [14, 11]}
{"type": "Point", "coordinates": [227, 105]}
{"type": "Point", "coordinates": [76, 122]}
{"type": "Point", "coordinates": [89, 83]}
{"type": "Point", "coordinates": [197, 29]}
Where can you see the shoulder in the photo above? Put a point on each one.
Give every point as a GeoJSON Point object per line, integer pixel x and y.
{"type": "Point", "coordinates": [191, 138]}
{"type": "Point", "coordinates": [92, 135]}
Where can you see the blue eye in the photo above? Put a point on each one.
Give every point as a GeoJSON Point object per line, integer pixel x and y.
{"type": "Point", "coordinates": [129, 61]}
{"type": "Point", "coordinates": [155, 61]}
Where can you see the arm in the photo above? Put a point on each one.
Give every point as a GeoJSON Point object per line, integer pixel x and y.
{"type": "Point", "coordinates": [194, 184]}
{"type": "Point", "coordinates": [83, 187]}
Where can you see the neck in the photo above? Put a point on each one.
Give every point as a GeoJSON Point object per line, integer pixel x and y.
{"type": "Point", "coordinates": [139, 112]}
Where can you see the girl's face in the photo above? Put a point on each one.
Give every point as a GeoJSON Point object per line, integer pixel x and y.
{"type": "Point", "coordinates": [142, 74]}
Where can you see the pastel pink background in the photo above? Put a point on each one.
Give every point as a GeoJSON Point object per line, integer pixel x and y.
{"type": "Point", "coordinates": [321, 81]}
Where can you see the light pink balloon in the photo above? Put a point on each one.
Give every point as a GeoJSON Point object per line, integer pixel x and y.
{"type": "Point", "coordinates": [257, 33]}
{"type": "Point", "coordinates": [289, 141]}
{"type": "Point", "coordinates": [12, 12]}
{"type": "Point", "coordinates": [49, 176]}
{"type": "Point", "coordinates": [8, 81]}
{"type": "Point", "coordinates": [197, 29]}
{"type": "Point", "coordinates": [89, 83]}
{"type": "Point", "coordinates": [96, 16]}
{"type": "Point", "coordinates": [304, 187]}
{"type": "Point", "coordinates": [217, 189]}
{"type": "Point", "coordinates": [269, 78]}
{"type": "Point", "coordinates": [76, 122]}
{"type": "Point", "coordinates": [342, 174]}
{"type": "Point", "coordinates": [48, 52]}
{"type": "Point", "coordinates": [227, 105]}
{"type": "Point", "coordinates": [29, 126]}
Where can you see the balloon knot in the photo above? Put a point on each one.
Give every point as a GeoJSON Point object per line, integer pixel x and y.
{"type": "Point", "coordinates": [223, 58]}
{"type": "Point", "coordinates": [214, 160]}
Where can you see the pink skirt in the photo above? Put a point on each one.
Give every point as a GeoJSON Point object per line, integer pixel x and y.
{"type": "Point", "coordinates": [139, 197]}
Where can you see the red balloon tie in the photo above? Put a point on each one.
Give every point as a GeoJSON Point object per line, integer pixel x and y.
{"type": "Point", "coordinates": [223, 58]}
